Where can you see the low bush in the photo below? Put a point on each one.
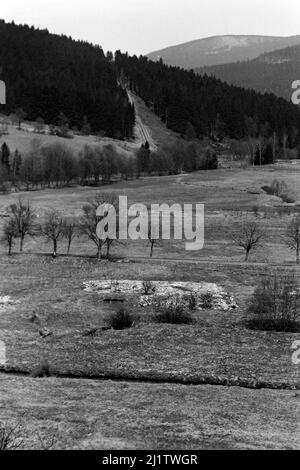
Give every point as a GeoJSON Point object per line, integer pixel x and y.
{"type": "Point", "coordinates": [279, 189]}
{"type": "Point", "coordinates": [271, 324]}
{"type": "Point", "coordinates": [255, 210]}
{"type": "Point", "coordinates": [148, 288]}
{"type": "Point", "coordinates": [275, 304]}
{"type": "Point", "coordinates": [121, 319]}
{"type": "Point", "coordinates": [192, 301]}
{"type": "Point", "coordinates": [206, 300]}
{"type": "Point", "coordinates": [172, 310]}
{"type": "Point", "coordinates": [41, 370]}
{"type": "Point", "coordinates": [286, 198]}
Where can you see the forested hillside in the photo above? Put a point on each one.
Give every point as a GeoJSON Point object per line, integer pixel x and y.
{"type": "Point", "coordinates": [47, 74]}
{"type": "Point", "coordinates": [50, 76]}
{"type": "Point", "coordinates": [270, 73]}
{"type": "Point", "coordinates": [201, 106]}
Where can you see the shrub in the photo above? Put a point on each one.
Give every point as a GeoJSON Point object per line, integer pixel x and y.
{"type": "Point", "coordinates": [192, 301]}
{"type": "Point", "coordinates": [255, 210]}
{"type": "Point", "coordinates": [10, 437]}
{"type": "Point", "coordinates": [275, 304]}
{"type": "Point", "coordinates": [270, 324]}
{"type": "Point", "coordinates": [41, 370]}
{"type": "Point", "coordinates": [172, 310]}
{"type": "Point", "coordinates": [279, 189]}
{"type": "Point", "coordinates": [206, 300]}
{"type": "Point", "coordinates": [286, 198]}
{"type": "Point", "coordinates": [292, 236]}
{"type": "Point", "coordinates": [211, 161]}
{"type": "Point", "coordinates": [121, 319]}
{"type": "Point", "coordinates": [148, 288]}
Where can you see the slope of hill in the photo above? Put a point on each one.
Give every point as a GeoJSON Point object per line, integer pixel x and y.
{"type": "Point", "coordinates": [272, 72]}
{"type": "Point", "coordinates": [203, 106]}
{"type": "Point", "coordinates": [25, 139]}
{"type": "Point", "coordinates": [221, 50]}
{"type": "Point", "coordinates": [46, 74]}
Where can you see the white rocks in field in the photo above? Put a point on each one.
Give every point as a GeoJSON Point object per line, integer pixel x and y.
{"type": "Point", "coordinates": [220, 299]}
{"type": "Point", "coordinates": [5, 300]}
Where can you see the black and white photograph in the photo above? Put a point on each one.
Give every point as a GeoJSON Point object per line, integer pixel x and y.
{"type": "Point", "coordinates": [149, 228]}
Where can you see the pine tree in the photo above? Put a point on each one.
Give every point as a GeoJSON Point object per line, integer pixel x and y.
{"type": "Point", "coordinates": [16, 165]}
{"type": "Point", "coordinates": [5, 157]}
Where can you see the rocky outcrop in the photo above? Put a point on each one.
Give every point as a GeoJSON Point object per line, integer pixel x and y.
{"type": "Point", "coordinates": [220, 299]}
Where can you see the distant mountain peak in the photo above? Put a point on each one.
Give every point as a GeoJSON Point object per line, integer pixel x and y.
{"type": "Point", "coordinates": [271, 72]}
{"type": "Point", "coordinates": [224, 49]}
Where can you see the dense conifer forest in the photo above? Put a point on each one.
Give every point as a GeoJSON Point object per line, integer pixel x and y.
{"type": "Point", "coordinates": [69, 83]}
{"type": "Point", "coordinates": [206, 106]}
{"type": "Point", "coordinates": [47, 74]}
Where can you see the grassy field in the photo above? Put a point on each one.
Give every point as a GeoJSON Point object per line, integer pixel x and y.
{"type": "Point", "coordinates": [226, 194]}
{"type": "Point", "coordinates": [89, 414]}
{"type": "Point", "coordinates": [152, 405]}
{"type": "Point", "coordinates": [22, 139]}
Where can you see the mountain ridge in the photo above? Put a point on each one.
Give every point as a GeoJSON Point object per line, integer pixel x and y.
{"type": "Point", "coordinates": [272, 72]}
{"type": "Point", "coordinates": [221, 49]}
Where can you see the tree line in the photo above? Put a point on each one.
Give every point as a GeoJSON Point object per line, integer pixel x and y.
{"type": "Point", "coordinates": [22, 222]}
{"type": "Point", "coordinates": [56, 165]}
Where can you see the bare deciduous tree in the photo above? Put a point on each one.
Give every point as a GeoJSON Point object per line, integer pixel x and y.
{"type": "Point", "coordinates": [20, 115]}
{"type": "Point", "coordinates": [292, 236]}
{"type": "Point", "coordinates": [153, 240]}
{"type": "Point", "coordinates": [52, 228]}
{"type": "Point", "coordinates": [89, 220]}
{"type": "Point", "coordinates": [109, 241]}
{"type": "Point", "coordinates": [39, 125]}
{"type": "Point", "coordinates": [247, 235]}
{"type": "Point", "coordinates": [88, 226]}
{"type": "Point", "coordinates": [25, 217]}
{"type": "Point", "coordinates": [70, 231]}
{"type": "Point", "coordinates": [10, 232]}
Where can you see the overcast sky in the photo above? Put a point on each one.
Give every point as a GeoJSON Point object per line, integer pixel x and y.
{"type": "Point", "coordinates": [141, 26]}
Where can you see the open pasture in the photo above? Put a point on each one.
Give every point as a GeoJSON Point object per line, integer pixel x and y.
{"type": "Point", "coordinates": [217, 349]}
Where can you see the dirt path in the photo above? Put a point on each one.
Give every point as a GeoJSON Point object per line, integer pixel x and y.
{"type": "Point", "coordinates": [143, 132]}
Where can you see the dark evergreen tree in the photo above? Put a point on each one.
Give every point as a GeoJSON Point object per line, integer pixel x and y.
{"type": "Point", "coordinates": [5, 157]}
{"type": "Point", "coordinates": [86, 128]}
{"type": "Point", "coordinates": [16, 165]}
{"type": "Point", "coordinates": [143, 158]}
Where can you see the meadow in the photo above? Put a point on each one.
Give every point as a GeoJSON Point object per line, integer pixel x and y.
{"type": "Point", "coordinates": [21, 140]}
{"type": "Point", "coordinates": [212, 384]}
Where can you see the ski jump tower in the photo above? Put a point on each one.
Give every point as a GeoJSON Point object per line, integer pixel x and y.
{"type": "Point", "coordinates": [2, 92]}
